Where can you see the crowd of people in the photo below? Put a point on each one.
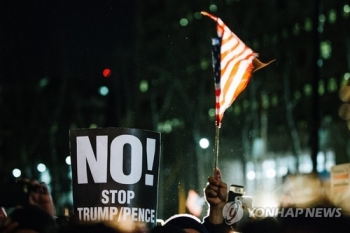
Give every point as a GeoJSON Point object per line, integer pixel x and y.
{"type": "Point", "coordinates": [38, 216]}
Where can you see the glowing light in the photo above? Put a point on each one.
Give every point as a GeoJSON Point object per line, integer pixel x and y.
{"type": "Point", "coordinates": [143, 86]}
{"type": "Point", "coordinates": [197, 15]}
{"type": "Point", "coordinates": [213, 8]}
{"type": "Point", "coordinates": [282, 171]}
{"type": "Point", "coordinates": [347, 76]}
{"type": "Point", "coordinates": [204, 143]}
{"type": "Point", "coordinates": [41, 167]}
{"type": "Point", "coordinates": [106, 73]}
{"type": "Point", "coordinates": [68, 161]}
{"type": "Point", "coordinates": [43, 82]}
{"type": "Point", "coordinates": [251, 175]}
{"type": "Point", "coordinates": [271, 173]}
{"type": "Point", "coordinates": [16, 172]}
{"type": "Point", "coordinates": [211, 112]}
{"type": "Point", "coordinates": [344, 111]}
{"type": "Point", "coordinates": [183, 22]}
{"type": "Point", "coordinates": [103, 90]}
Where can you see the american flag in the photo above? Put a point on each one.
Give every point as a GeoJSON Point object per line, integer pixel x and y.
{"type": "Point", "coordinates": [233, 64]}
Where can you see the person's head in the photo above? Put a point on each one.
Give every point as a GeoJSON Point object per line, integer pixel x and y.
{"type": "Point", "coordinates": [186, 222]}
{"type": "Point", "coordinates": [268, 224]}
{"type": "Point", "coordinates": [32, 219]}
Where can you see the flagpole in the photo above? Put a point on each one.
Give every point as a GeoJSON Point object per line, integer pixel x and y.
{"type": "Point", "coordinates": [216, 149]}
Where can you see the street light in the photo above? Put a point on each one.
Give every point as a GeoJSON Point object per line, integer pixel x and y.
{"type": "Point", "coordinates": [16, 172]}
{"type": "Point", "coordinates": [41, 167]}
{"type": "Point", "coordinates": [251, 175]}
{"type": "Point", "coordinates": [68, 161]}
{"type": "Point", "coordinates": [271, 173]}
{"type": "Point", "coordinates": [204, 143]}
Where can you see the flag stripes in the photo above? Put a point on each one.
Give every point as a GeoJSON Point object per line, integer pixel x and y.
{"type": "Point", "coordinates": [235, 67]}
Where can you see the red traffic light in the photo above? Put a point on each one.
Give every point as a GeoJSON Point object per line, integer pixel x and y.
{"type": "Point", "coordinates": [106, 73]}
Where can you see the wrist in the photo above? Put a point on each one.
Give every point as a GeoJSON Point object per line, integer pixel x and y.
{"type": "Point", "coordinates": [215, 215]}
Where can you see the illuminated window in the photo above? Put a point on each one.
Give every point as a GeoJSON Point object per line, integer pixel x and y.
{"type": "Point", "coordinates": [265, 101]}
{"type": "Point", "coordinates": [197, 15]}
{"type": "Point", "coordinates": [43, 82]}
{"type": "Point", "coordinates": [213, 8]}
{"type": "Point", "coordinates": [296, 29]}
{"type": "Point", "coordinates": [297, 95]}
{"type": "Point", "coordinates": [308, 25]}
{"type": "Point", "coordinates": [143, 86]}
{"type": "Point", "coordinates": [321, 88]}
{"type": "Point", "coordinates": [347, 76]}
{"type": "Point", "coordinates": [211, 112]}
{"type": "Point", "coordinates": [236, 109]}
{"type": "Point", "coordinates": [307, 89]}
{"type": "Point", "coordinates": [183, 22]}
{"type": "Point", "coordinates": [326, 49]}
{"type": "Point", "coordinates": [204, 64]}
{"type": "Point", "coordinates": [322, 18]}
{"type": "Point", "coordinates": [332, 16]}
{"type": "Point", "coordinates": [346, 11]}
{"type": "Point", "coordinates": [332, 85]}
{"type": "Point", "coordinates": [274, 100]}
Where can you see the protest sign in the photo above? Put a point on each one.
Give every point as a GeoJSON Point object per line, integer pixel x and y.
{"type": "Point", "coordinates": [115, 174]}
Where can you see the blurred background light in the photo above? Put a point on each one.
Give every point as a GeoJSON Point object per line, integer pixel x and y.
{"type": "Point", "coordinates": [213, 8]}
{"type": "Point", "coordinates": [103, 90]}
{"type": "Point", "coordinates": [251, 175]}
{"type": "Point", "coordinates": [271, 173]}
{"type": "Point", "coordinates": [204, 143]}
{"type": "Point", "coordinates": [183, 22]}
{"type": "Point", "coordinates": [41, 167]}
{"type": "Point", "coordinates": [68, 160]}
{"type": "Point", "coordinates": [16, 172]}
{"type": "Point", "coordinates": [106, 73]}
{"type": "Point", "coordinates": [143, 86]}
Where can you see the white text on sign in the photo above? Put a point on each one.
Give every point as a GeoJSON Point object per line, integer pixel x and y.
{"type": "Point", "coordinates": [117, 196]}
{"type": "Point", "coordinates": [98, 163]}
{"type": "Point", "coordinates": [116, 214]}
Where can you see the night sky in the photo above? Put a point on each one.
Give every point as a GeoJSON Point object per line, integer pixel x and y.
{"type": "Point", "coordinates": [52, 57]}
{"type": "Point", "coordinates": [37, 37]}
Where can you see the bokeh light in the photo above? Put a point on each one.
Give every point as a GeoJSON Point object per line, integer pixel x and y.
{"type": "Point", "coordinates": [344, 111]}
{"type": "Point", "coordinates": [41, 167]}
{"type": "Point", "coordinates": [271, 173]}
{"type": "Point", "coordinates": [68, 160]}
{"type": "Point", "coordinates": [103, 90]}
{"type": "Point", "coordinates": [16, 172]}
{"type": "Point", "coordinates": [204, 143]}
{"type": "Point", "coordinates": [106, 73]}
{"type": "Point", "coordinates": [251, 175]}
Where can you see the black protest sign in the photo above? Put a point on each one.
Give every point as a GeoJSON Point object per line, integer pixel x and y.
{"type": "Point", "coordinates": [115, 174]}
